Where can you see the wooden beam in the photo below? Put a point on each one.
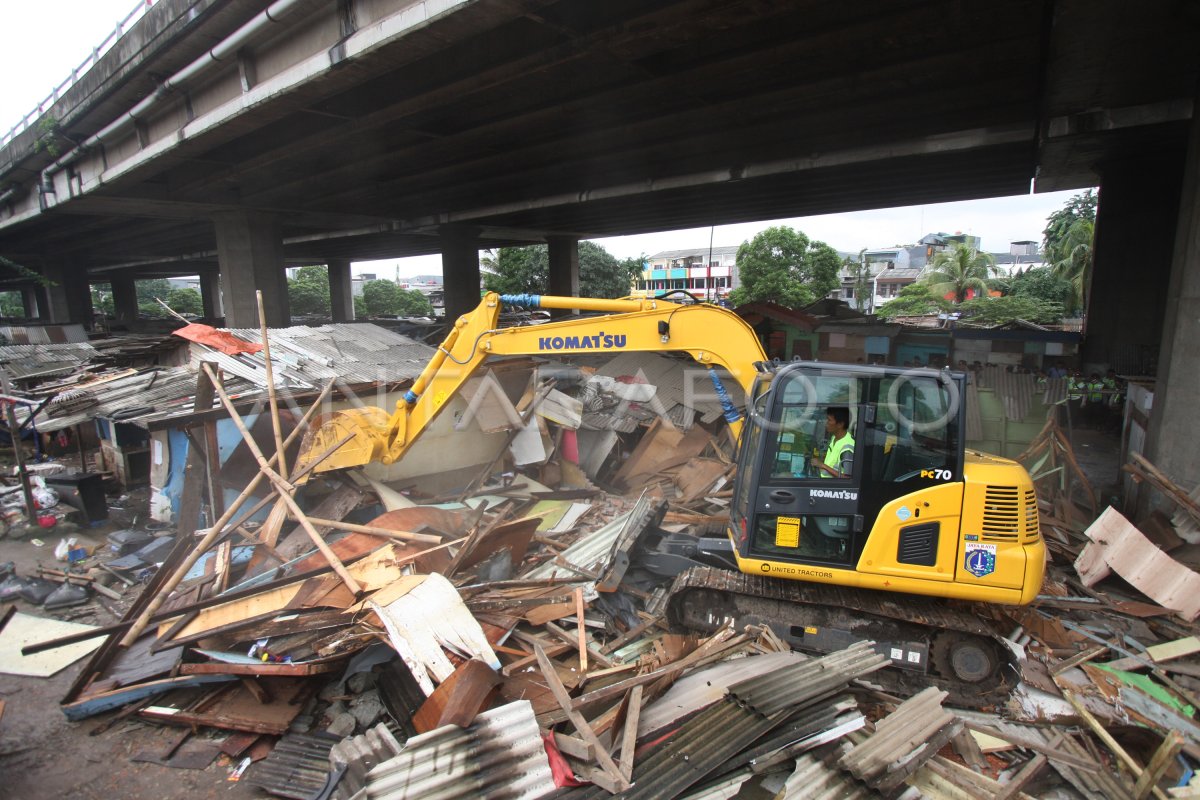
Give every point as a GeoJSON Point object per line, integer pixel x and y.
{"type": "Point", "coordinates": [581, 725]}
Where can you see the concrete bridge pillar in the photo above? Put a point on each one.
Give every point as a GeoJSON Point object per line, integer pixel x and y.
{"type": "Point", "coordinates": [125, 304]}
{"type": "Point", "coordinates": [1170, 444]}
{"type": "Point", "coordinates": [460, 269]}
{"type": "Point", "coordinates": [1135, 232]}
{"type": "Point", "coordinates": [250, 252]}
{"type": "Point", "coordinates": [341, 290]}
{"type": "Point", "coordinates": [29, 301]}
{"type": "Point", "coordinates": [564, 269]}
{"type": "Point", "coordinates": [210, 293]}
{"type": "Point", "coordinates": [68, 297]}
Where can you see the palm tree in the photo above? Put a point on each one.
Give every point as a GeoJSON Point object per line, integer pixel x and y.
{"type": "Point", "coordinates": [959, 271]}
{"type": "Point", "coordinates": [1071, 258]}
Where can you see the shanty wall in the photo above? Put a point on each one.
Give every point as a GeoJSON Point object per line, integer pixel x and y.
{"type": "Point", "coordinates": [440, 458]}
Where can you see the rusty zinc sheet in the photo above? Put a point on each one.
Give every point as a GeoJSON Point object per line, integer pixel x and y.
{"type": "Point", "coordinates": [500, 755]}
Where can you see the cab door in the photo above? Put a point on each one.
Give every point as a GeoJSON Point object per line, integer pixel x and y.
{"type": "Point", "coordinates": [793, 513]}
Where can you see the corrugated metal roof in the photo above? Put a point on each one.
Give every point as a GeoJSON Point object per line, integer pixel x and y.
{"type": "Point", "coordinates": [296, 767]}
{"type": "Point", "coordinates": [706, 686]}
{"type": "Point", "coordinates": [43, 334]}
{"type": "Point", "coordinates": [590, 552]}
{"type": "Point", "coordinates": [303, 356]}
{"type": "Point", "coordinates": [27, 360]}
{"type": "Point", "coordinates": [813, 778]}
{"type": "Point", "coordinates": [167, 389]}
{"type": "Point", "coordinates": [501, 754]}
{"type": "Point", "coordinates": [901, 739]}
{"type": "Point", "coordinates": [792, 685]}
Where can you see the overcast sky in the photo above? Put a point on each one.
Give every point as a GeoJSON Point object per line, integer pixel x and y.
{"type": "Point", "coordinates": [46, 40]}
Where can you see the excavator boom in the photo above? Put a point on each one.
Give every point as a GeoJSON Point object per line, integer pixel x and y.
{"type": "Point", "coordinates": [712, 336]}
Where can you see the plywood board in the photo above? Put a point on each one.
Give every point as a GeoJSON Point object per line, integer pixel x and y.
{"type": "Point", "coordinates": [1123, 548]}
{"type": "Point", "coordinates": [26, 629]}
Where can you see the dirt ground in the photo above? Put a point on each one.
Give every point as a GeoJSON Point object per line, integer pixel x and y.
{"type": "Point", "coordinates": [42, 755]}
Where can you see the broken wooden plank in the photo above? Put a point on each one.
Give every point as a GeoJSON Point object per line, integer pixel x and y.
{"type": "Point", "coordinates": [610, 768]}
{"type": "Point", "coordinates": [581, 630]}
{"type": "Point", "coordinates": [1163, 758]}
{"type": "Point", "coordinates": [458, 699]}
{"type": "Point", "coordinates": [1118, 545]}
{"type": "Point", "coordinates": [629, 738]}
{"type": "Point", "coordinates": [1103, 735]}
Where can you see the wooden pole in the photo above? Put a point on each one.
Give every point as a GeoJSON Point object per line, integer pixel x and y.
{"type": "Point", "coordinates": [423, 538]}
{"type": "Point", "coordinates": [14, 431]}
{"type": "Point", "coordinates": [213, 534]}
{"type": "Point", "coordinates": [284, 488]}
{"type": "Point", "coordinates": [275, 426]}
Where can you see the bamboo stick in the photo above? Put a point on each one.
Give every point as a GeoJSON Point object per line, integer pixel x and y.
{"type": "Point", "coordinates": [275, 426]}
{"type": "Point", "coordinates": [408, 536]}
{"type": "Point", "coordinates": [283, 487]}
{"type": "Point", "coordinates": [143, 619]}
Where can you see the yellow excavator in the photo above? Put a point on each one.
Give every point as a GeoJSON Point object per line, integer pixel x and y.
{"type": "Point", "coordinates": [892, 546]}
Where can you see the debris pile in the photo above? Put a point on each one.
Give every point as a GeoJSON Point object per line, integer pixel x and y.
{"type": "Point", "coordinates": [338, 634]}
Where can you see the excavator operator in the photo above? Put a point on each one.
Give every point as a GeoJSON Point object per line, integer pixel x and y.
{"type": "Point", "coordinates": [839, 458]}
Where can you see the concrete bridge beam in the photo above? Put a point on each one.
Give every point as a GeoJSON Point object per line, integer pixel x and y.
{"type": "Point", "coordinates": [68, 297]}
{"type": "Point", "coordinates": [210, 293]}
{"type": "Point", "coordinates": [29, 301]}
{"type": "Point", "coordinates": [1135, 235]}
{"type": "Point", "coordinates": [564, 269]}
{"type": "Point", "coordinates": [125, 303]}
{"type": "Point", "coordinates": [1170, 444]}
{"type": "Point", "coordinates": [250, 252]}
{"type": "Point", "coordinates": [460, 269]}
{"type": "Point", "coordinates": [341, 290]}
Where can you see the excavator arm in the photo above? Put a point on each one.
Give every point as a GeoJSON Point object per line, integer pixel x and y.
{"type": "Point", "coordinates": [712, 336]}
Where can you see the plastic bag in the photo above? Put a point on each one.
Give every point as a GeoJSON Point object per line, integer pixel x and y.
{"type": "Point", "coordinates": [63, 549]}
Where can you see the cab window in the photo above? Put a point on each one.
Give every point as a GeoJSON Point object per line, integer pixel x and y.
{"type": "Point", "coordinates": [798, 429]}
{"type": "Point", "coordinates": [916, 429]}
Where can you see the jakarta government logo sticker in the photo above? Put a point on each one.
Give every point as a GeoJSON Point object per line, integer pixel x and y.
{"type": "Point", "coordinates": [980, 559]}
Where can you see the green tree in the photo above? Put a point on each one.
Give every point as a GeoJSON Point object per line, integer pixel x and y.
{"type": "Point", "coordinates": [601, 274]}
{"type": "Point", "coordinates": [1040, 283]}
{"type": "Point", "coordinates": [861, 271]}
{"type": "Point", "coordinates": [11, 305]}
{"type": "Point", "coordinates": [959, 271]}
{"type": "Point", "coordinates": [102, 299]}
{"type": "Point", "coordinates": [385, 299]}
{"type": "Point", "coordinates": [915, 300]}
{"type": "Point", "coordinates": [308, 291]}
{"type": "Point", "coordinates": [781, 265]}
{"type": "Point", "coordinates": [1071, 260]}
{"type": "Point", "coordinates": [185, 301]}
{"type": "Point", "coordinates": [526, 270]}
{"type": "Point", "coordinates": [1059, 225]}
{"type": "Point", "coordinates": [153, 289]}
{"type": "Point", "coordinates": [999, 310]}
{"type": "Point", "coordinates": [360, 307]}
{"type": "Point", "coordinates": [517, 270]}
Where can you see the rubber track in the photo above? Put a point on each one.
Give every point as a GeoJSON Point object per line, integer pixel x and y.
{"type": "Point", "coordinates": [937, 614]}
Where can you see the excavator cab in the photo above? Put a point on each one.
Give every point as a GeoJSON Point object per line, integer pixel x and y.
{"type": "Point", "coordinates": [912, 511]}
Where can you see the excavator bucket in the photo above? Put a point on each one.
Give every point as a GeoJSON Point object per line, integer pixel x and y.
{"type": "Point", "coordinates": [350, 438]}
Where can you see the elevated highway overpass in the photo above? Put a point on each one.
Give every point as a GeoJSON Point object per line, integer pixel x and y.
{"type": "Point", "coordinates": [230, 138]}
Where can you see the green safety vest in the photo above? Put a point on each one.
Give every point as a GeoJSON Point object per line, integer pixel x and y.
{"type": "Point", "coordinates": [1111, 385]}
{"type": "Point", "coordinates": [1094, 391]}
{"type": "Point", "coordinates": [1073, 389]}
{"type": "Point", "coordinates": [837, 449]}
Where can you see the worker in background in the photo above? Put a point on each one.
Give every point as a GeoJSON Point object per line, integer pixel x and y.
{"type": "Point", "coordinates": [1095, 400]}
{"type": "Point", "coordinates": [1075, 385]}
{"type": "Point", "coordinates": [1115, 399]}
{"type": "Point", "coordinates": [839, 458]}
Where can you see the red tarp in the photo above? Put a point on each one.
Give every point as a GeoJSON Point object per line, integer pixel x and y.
{"type": "Point", "coordinates": [224, 342]}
